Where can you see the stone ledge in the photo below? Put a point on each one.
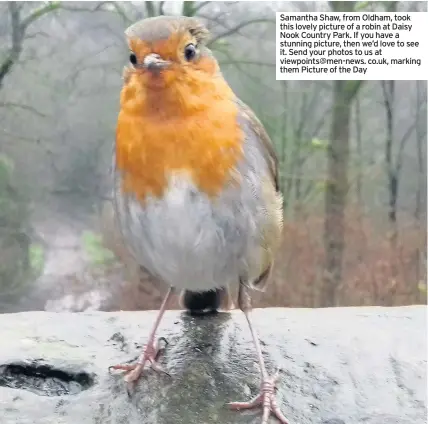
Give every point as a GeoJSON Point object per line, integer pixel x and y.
{"type": "Point", "coordinates": [340, 366]}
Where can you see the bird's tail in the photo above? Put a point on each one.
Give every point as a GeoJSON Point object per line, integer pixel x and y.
{"type": "Point", "coordinates": [206, 302]}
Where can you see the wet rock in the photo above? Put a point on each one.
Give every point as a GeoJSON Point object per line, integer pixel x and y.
{"type": "Point", "coordinates": [339, 366]}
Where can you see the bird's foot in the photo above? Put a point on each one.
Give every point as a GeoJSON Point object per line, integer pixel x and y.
{"type": "Point", "coordinates": [266, 399]}
{"type": "Point", "coordinates": [151, 353]}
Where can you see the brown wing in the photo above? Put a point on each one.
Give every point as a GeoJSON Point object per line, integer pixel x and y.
{"type": "Point", "coordinates": [265, 141]}
{"type": "Point", "coordinates": [272, 231]}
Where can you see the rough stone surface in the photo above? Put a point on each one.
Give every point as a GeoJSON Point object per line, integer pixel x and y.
{"type": "Point", "coordinates": [340, 366]}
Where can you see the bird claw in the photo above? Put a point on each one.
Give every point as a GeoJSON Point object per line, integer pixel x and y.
{"type": "Point", "coordinates": [266, 398]}
{"type": "Point", "coordinates": [130, 388]}
{"type": "Point", "coordinates": [156, 367]}
{"type": "Point", "coordinates": [151, 353]}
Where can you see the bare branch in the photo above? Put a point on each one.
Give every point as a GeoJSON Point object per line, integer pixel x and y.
{"type": "Point", "coordinates": [19, 28]}
{"type": "Point", "coordinates": [101, 7]}
{"type": "Point", "coordinates": [239, 66]}
{"type": "Point", "coordinates": [13, 54]}
{"type": "Point", "coordinates": [218, 18]}
{"type": "Point", "coordinates": [24, 107]}
{"type": "Point", "coordinates": [121, 12]}
{"type": "Point", "coordinates": [36, 34]}
{"type": "Point", "coordinates": [84, 9]}
{"type": "Point", "coordinates": [38, 13]}
{"type": "Point", "coordinates": [404, 140]}
{"type": "Point", "coordinates": [18, 136]}
{"type": "Point", "coordinates": [238, 27]}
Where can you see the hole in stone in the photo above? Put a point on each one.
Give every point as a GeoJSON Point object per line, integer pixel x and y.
{"type": "Point", "coordinates": [44, 380]}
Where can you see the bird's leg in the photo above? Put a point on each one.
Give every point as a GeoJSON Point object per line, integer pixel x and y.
{"type": "Point", "coordinates": [150, 352]}
{"type": "Point", "coordinates": [266, 398]}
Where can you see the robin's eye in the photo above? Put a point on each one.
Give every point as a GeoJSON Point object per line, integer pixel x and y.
{"type": "Point", "coordinates": [133, 58]}
{"type": "Point", "coordinates": [190, 52]}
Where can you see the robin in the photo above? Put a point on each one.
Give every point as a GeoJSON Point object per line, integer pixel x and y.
{"type": "Point", "coordinates": [195, 182]}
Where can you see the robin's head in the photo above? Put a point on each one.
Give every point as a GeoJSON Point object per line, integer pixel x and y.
{"type": "Point", "coordinates": [169, 49]}
{"type": "Point", "coordinates": [176, 110]}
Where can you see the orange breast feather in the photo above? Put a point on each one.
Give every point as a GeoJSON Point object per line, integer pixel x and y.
{"type": "Point", "coordinates": [160, 131]}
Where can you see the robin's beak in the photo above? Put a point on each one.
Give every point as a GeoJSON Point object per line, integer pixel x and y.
{"type": "Point", "coordinates": [153, 62]}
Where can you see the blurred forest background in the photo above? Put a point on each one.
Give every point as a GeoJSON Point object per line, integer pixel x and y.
{"type": "Point", "coordinates": [352, 155]}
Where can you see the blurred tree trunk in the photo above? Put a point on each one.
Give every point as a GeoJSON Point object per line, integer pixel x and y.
{"type": "Point", "coordinates": [344, 93]}
{"type": "Point", "coordinates": [391, 170]}
{"type": "Point", "coordinates": [337, 189]}
{"type": "Point", "coordinates": [297, 158]}
{"type": "Point", "coordinates": [302, 132]}
{"type": "Point", "coordinates": [150, 9]}
{"type": "Point", "coordinates": [394, 156]}
{"type": "Point", "coordinates": [358, 137]}
{"type": "Point", "coordinates": [421, 156]}
{"type": "Point", "coordinates": [394, 163]}
{"type": "Point", "coordinates": [420, 205]}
